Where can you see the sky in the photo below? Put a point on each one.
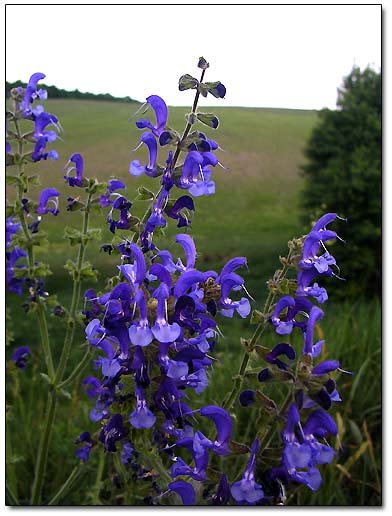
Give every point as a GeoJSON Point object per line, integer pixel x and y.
{"type": "Point", "coordinates": [267, 56]}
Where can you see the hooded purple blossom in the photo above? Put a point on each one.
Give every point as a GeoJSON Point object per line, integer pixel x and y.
{"type": "Point", "coordinates": [136, 169]}
{"type": "Point", "coordinates": [160, 110]}
{"type": "Point", "coordinates": [31, 93]}
{"type": "Point", "coordinates": [123, 206]}
{"type": "Point", "coordinates": [222, 495]}
{"type": "Point", "coordinates": [184, 490]}
{"type": "Point", "coordinates": [84, 452]}
{"type": "Point", "coordinates": [162, 330]}
{"type": "Point", "coordinates": [112, 432]}
{"type": "Point", "coordinates": [49, 195]}
{"type": "Point", "coordinates": [197, 446]}
{"type": "Point", "coordinates": [140, 333]}
{"type": "Point", "coordinates": [246, 491]}
{"type": "Point", "coordinates": [175, 212]}
{"type": "Point", "coordinates": [309, 348]}
{"type": "Point", "coordinates": [141, 417]}
{"type": "Point", "coordinates": [302, 454]}
{"type": "Point", "coordinates": [20, 356]}
{"type": "Point", "coordinates": [224, 427]}
{"type": "Point", "coordinates": [77, 159]}
{"type": "Point", "coordinates": [39, 151]}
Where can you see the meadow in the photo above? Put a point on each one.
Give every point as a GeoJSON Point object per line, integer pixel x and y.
{"type": "Point", "coordinates": [255, 211]}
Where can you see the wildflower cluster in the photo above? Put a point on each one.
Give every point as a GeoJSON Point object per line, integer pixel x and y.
{"type": "Point", "coordinates": [313, 389]}
{"type": "Point", "coordinates": [25, 215]}
{"type": "Point", "coordinates": [157, 327]}
{"type": "Point", "coordinates": [153, 332]}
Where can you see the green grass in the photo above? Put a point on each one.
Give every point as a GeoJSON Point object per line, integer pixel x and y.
{"type": "Point", "coordinates": [254, 213]}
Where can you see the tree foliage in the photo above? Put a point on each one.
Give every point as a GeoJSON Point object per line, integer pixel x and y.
{"type": "Point", "coordinates": [59, 93]}
{"type": "Point", "coordinates": [343, 175]}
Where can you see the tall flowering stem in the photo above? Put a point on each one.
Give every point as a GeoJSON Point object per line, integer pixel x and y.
{"type": "Point", "coordinates": [41, 316]}
{"type": "Point", "coordinates": [239, 378]}
{"type": "Point", "coordinates": [177, 153]}
{"type": "Point", "coordinates": [69, 335]}
{"type": "Point", "coordinates": [68, 340]}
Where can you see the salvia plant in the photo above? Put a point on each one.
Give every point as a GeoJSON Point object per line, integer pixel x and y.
{"type": "Point", "coordinates": [152, 333]}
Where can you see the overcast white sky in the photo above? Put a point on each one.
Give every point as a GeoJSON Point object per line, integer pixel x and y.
{"type": "Point", "coordinates": [267, 56]}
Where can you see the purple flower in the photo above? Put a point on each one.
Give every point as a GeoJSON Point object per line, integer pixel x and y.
{"type": "Point", "coordinates": [20, 356]}
{"type": "Point", "coordinates": [48, 195]}
{"type": "Point", "coordinates": [78, 179]}
{"type": "Point", "coordinates": [31, 93]}
{"type": "Point", "coordinates": [197, 445]}
{"type": "Point", "coordinates": [140, 333]}
{"type": "Point", "coordinates": [247, 397]}
{"type": "Point", "coordinates": [127, 453]}
{"type": "Point", "coordinates": [84, 452]}
{"type": "Point", "coordinates": [184, 202]}
{"type": "Point", "coordinates": [283, 327]}
{"type": "Point", "coordinates": [224, 427]}
{"type": "Point", "coordinates": [141, 417]}
{"type": "Point", "coordinates": [39, 151]}
{"type": "Point", "coordinates": [150, 170]}
{"type": "Point", "coordinates": [11, 228]}
{"type": "Point", "coordinates": [222, 495]}
{"type": "Point", "coordinates": [246, 491]}
{"type": "Point", "coordinates": [160, 109]}
{"type": "Point", "coordinates": [315, 314]}
{"type": "Point", "coordinates": [232, 282]}
{"type": "Point", "coordinates": [112, 432]}
{"type": "Point", "coordinates": [41, 121]}
{"type": "Point", "coordinates": [113, 184]}
{"type": "Point", "coordinates": [278, 350]}
{"type": "Point", "coordinates": [123, 206]}
{"type": "Point", "coordinates": [185, 490]}
{"type": "Point", "coordinates": [162, 330]}
{"type": "Point", "coordinates": [302, 454]}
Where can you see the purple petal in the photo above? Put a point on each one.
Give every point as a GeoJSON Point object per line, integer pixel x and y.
{"type": "Point", "coordinates": [185, 490]}
{"type": "Point", "coordinates": [160, 108]}
{"type": "Point", "coordinates": [223, 423]}
{"type": "Point", "coordinates": [188, 245]}
{"type": "Point", "coordinates": [325, 367]}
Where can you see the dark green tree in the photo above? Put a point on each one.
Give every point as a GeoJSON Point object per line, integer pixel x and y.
{"type": "Point", "coordinates": [343, 175]}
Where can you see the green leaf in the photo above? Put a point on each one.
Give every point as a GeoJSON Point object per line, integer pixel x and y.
{"type": "Point", "coordinates": [215, 88]}
{"type": "Point", "coordinates": [94, 234]}
{"type": "Point", "coordinates": [187, 82]}
{"type": "Point", "coordinates": [34, 180]}
{"type": "Point", "coordinates": [74, 235]}
{"type": "Point", "coordinates": [208, 119]}
{"type": "Point", "coordinates": [256, 317]}
{"type": "Point", "coordinates": [144, 194]}
{"type": "Point", "coordinates": [88, 272]}
{"type": "Point", "coordinates": [12, 180]}
{"type": "Point", "coordinates": [39, 239]}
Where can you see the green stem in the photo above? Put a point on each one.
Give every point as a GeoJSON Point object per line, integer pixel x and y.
{"type": "Point", "coordinates": [66, 486]}
{"type": "Point", "coordinates": [266, 438]}
{"type": "Point", "coordinates": [45, 338]}
{"type": "Point", "coordinates": [97, 485]}
{"type": "Point", "coordinates": [175, 157]}
{"type": "Point", "coordinates": [69, 335]}
{"type": "Point", "coordinates": [43, 449]}
{"type": "Point", "coordinates": [11, 494]}
{"type": "Point", "coordinates": [12, 486]}
{"type": "Point", "coordinates": [78, 369]}
{"type": "Point", "coordinates": [239, 378]}
{"type": "Point", "coordinates": [30, 260]}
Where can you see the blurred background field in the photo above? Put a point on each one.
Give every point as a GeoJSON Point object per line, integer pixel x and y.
{"type": "Point", "coordinates": [255, 211]}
